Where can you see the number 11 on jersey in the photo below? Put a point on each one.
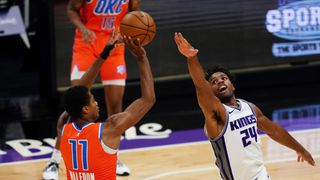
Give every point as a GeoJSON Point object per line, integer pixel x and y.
{"type": "Point", "coordinates": [83, 144]}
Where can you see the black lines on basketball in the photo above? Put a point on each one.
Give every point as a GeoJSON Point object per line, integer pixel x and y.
{"type": "Point", "coordinates": [136, 27]}
{"type": "Point", "coordinates": [140, 17]}
{"type": "Point", "coordinates": [138, 24]}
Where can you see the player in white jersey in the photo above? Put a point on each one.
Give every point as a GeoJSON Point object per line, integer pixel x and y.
{"type": "Point", "coordinates": [231, 124]}
{"type": "Point", "coordinates": [246, 162]}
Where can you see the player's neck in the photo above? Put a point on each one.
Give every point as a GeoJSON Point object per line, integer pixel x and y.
{"type": "Point", "coordinates": [81, 122]}
{"type": "Point", "coordinates": [230, 101]}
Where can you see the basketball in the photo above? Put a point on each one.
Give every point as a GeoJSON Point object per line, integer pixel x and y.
{"type": "Point", "coordinates": [138, 24]}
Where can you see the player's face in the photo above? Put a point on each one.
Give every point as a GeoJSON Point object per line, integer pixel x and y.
{"type": "Point", "coordinates": [221, 85]}
{"type": "Point", "coordinates": [93, 108]}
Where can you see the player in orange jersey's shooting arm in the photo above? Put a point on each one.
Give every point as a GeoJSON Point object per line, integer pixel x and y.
{"type": "Point", "coordinates": [231, 124]}
{"type": "Point", "coordinates": [89, 149]}
{"type": "Point", "coordinates": [94, 21]}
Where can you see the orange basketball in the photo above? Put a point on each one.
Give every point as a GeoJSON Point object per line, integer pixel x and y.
{"type": "Point", "coordinates": [138, 24]}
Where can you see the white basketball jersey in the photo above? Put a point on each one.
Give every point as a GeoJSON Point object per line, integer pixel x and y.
{"type": "Point", "coordinates": [238, 147]}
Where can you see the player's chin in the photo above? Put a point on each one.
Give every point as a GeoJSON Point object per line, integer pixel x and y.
{"type": "Point", "coordinates": [221, 95]}
{"type": "Point", "coordinates": [224, 96]}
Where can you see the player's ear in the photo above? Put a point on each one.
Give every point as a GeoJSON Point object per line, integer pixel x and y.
{"type": "Point", "coordinates": [85, 109]}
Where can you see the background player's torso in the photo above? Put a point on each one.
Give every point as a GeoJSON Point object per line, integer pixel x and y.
{"type": "Point", "coordinates": [238, 149]}
{"type": "Point", "coordinates": [103, 15]}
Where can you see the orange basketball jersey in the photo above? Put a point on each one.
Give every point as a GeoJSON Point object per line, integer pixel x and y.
{"type": "Point", "coordinates": [103, 15]}
{"type": "Point", "coordinates": [84, 155]}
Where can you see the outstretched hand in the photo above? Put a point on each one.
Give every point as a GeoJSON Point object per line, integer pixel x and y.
{"type": "Point", "coordinates": [115, 37]}
{"type": "Point", "coordinates": [305, 156]}
{"type": "Point", "coordinates": [134, 46]}
{"type": "Point", "coordinates": [114, 41]}
{"type": "Point", "coordinates": [184, 46]}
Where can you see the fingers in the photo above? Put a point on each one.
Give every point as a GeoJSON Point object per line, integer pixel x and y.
{"type": "Point", "coordinates": [88, 36]}
{"type": "Point", "coordinates": [306, 157]}
{"type": "Point", "coordinates": [87, 39]}
{"type": "Point", "coordinates": [179, 39]}
{"type": "Point", "coordinates": [128, 41]}
{"type": "Point", "coordinates": [184, 46]}
{"type": "Point", "coordinates": [310, 160]}
{"type": "Point", "coordinates": [91, 36]}
{"type": "Point", "coordinates": [117, 35]}
{"type": "Point", "coordinates": [183, 40]}
{"type": "Point", "coordinates": [133, 42]}
{"type": "Point", "coordinates": [137, 42]}
{"type": "Point", "coordinates": [195, 52]}
{"type": "Point", "coordinates": [134, 45]}
{"type": "Point", "coordinates": [312, 163]}
{"type": "Point", "coordinates": [176, 39]}
{"type": "Point", "coordinates": [299, 158]}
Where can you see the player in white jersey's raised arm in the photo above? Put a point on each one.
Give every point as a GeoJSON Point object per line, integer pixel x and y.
{"type": "Point", "coordinates": [231, 124]}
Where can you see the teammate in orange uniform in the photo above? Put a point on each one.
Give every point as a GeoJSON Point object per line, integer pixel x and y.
{"type": "Point", "coordinates": [89, 149]}
{"type": "Point", "coordinates": [94, 21]}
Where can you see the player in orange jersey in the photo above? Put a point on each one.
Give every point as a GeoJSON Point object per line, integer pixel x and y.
{"type": "Point", "coordinates": [94, 21]}
{"type": "Point", "coordinates": [89, 149]}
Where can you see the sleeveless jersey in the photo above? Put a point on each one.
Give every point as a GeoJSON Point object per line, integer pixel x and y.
{"type": "Point", "coordinates": [238, 147]}
{"type": "Point", "coordinates": [83, 153]}
{"type": "Point", "coordinates": [103, 15]}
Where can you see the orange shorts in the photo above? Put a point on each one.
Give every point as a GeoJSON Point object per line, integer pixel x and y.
{"type": "Point", "coordinates": [113, 71]}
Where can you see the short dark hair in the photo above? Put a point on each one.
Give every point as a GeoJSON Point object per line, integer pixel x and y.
{"type": "Point", "coordinates": [74, 99]}
{"type": "Point", "coordinates": [219, 69]}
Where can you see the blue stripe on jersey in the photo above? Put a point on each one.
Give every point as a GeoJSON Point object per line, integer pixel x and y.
{"type": "Point", "coordinates": [222, 159]}
{"type": "Point", "coordinates": [73, 144]}
{"type": "Point", "coordinates": [80, 128]}
{"type": "Point", "coordinates": [100, 131]}
{"type": "Point", "coordinates": [237, 107]}
{"type": "Point", "coordinates": [76, 126]}
{"type": "Point", "coordinates": [224, 174]}
{"type": "Point", "coordinates": [62, 130]}
{"type": "Point", "coordinates": [218, 163]}
{"type": "Point", "coordinates": [84, 126]}
{"type": "Point", "coordinates": [84, 145]}
{"type": "Point", "coordinates": [227, 157]}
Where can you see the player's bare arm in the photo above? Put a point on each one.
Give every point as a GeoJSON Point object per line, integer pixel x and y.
{"type": "Point", "coordinates": [134, 5]}
{"type": "Point", "coordinates": [61, 121]}
{"type": "Point", "coordinates": [280, 135]}
{"type": "Point", "coordinates": [211, 106]}
{"type": "Point", "coordinates": [88, 78]}
{"type": "Point", "coordinates": [118, 123]}
{"type": "Point", "coordinates": [73, 11]}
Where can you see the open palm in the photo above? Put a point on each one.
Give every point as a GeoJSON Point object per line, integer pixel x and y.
{"type": "Point", "coordinates": [184, 46]}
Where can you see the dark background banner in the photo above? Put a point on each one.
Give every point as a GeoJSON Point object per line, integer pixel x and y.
{"type": "Point", "coordinates": [230, 33]}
